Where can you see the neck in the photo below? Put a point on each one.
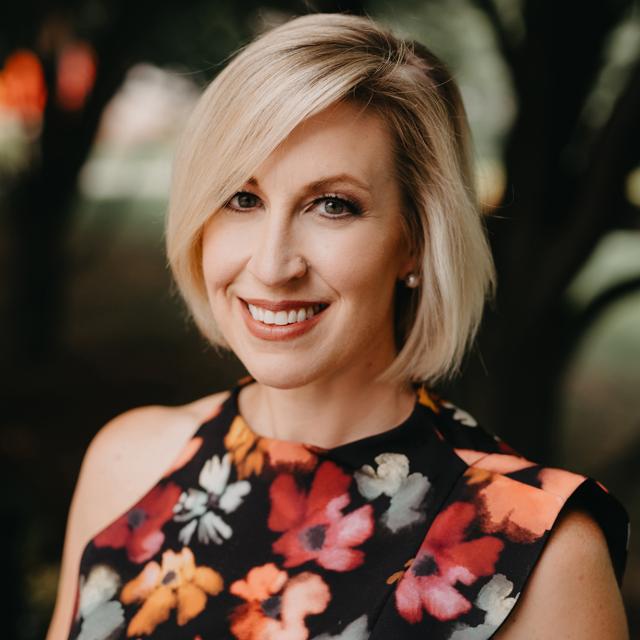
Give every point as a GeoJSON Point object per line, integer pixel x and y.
{"type": "Point", "coordinates": [329, 412]}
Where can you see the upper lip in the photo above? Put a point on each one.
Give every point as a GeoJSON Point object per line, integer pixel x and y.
{"type": "Point", "coordinates": [282, 305]}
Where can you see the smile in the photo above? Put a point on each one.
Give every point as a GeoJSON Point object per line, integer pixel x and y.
{"type": "Point", "coordinates": [284, 317]}
{"type": "Point", "coordinates": [282, 324]}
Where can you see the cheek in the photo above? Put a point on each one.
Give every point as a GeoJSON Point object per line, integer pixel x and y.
{"type": "Point", "coordinates": [361, 264]}
{"type": "Point", "coordinates": [222, 252]}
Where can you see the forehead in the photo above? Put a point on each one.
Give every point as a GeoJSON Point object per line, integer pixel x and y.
{"type": "Point", "coordinates": [344, 138]}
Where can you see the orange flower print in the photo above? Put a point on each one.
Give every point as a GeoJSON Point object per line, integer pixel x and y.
{"type": "Point", "coordinates": [276, 605]}
{"type": "Point", "coordinates": [428, 399]}
{"type": "Point", "coordinates": [520, 511]}
{"type": "Point", "coordinates": [176, 584]}
{"type": "Point", "coordinates": [496, 462]}
{"type": "Point", "coordinates": [560, 482]}
{"type": "Point", "coordinates": [251, 452]}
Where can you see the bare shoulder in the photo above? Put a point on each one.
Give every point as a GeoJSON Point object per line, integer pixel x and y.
{"type": "Point", "coordinates": [573, 584]}
{"type": "Point", "coordinates": [125, 458]}
{"type": "Point", "coordinates": [132, 451]}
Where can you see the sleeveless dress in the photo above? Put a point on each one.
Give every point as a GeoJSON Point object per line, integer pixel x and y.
{"type": "Point", "coordinates": [428, 530]}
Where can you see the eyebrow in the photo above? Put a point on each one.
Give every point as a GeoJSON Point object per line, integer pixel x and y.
{"type": "Point", "coordinates": [325, 182]}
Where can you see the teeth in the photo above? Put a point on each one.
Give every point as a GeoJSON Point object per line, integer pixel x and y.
{"type": "Point", "coordinates": [283, 317]}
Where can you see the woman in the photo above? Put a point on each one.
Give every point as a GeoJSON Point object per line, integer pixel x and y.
{"type": "Point", "coordinates": [323, 225]}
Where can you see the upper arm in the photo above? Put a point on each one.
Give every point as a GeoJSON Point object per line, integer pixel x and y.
{"type": "Point", "coordinates": [572, 591]}
{"type": "Point", "coordinates": [107, 483]}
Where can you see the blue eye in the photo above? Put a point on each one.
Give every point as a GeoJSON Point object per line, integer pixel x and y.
{"type": "Point", "coordinates": [246, 199]}
{"type": "Point", "coordinates": [342, 203]}
{"type": "Point", "coordinates": [339, 207]}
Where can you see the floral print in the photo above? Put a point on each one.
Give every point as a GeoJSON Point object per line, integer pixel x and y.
{"type": "Point", "coordinates": [139, 530]}
{"type": "Point", "coordinates": [277, 605]}
{"type": "Point", "coordinates": [445, 558]}
{"type": "Point", "coordinates": [200, 507]}
{"type": "Point", "coordinates": [314, 525]}
{"type": "Point", "coordinates": [495, 600]}
{"type": "Point", "coordinates": [176, 583]}
{"type": "Point", "coordinates": [407, 492]}
{"type": "Point", "coordinates": [430, 529]}
{"type": "Point", "coordinates": [101, 616]}
{"type": "Point", "coordinates": [251, 452]}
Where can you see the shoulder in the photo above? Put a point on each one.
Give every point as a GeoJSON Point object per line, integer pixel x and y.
{"type": "Point", "coordinates": [121, 463]}
{"type": "Point", "coordinates": [562, 539]}
{"type": "Point", "coordinates": [132, 451]}
{"type": "Point", "coordinates": [574, 578]}
{"type": "Point", "coordinates": [574, 584]}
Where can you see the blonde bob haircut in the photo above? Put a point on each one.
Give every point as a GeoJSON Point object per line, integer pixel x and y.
{"type": "Point", "coordinates": [295, 70]}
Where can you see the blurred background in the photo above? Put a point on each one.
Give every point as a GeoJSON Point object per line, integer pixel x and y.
{"type": "Point", "coordinates": [92, 96]}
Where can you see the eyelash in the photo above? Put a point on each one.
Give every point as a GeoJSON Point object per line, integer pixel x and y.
{"type": "Point", "coordinates": [354, 208]}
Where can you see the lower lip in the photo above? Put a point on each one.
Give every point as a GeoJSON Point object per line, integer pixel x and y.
{"type": "Point", "coordinates": [278, 331]}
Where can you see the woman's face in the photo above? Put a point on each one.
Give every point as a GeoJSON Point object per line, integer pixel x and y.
{"type": "Point", "coordinates": [318, 223]}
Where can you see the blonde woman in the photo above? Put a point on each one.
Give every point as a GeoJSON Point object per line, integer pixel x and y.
{"type": "Point", "coordinates": [323, 226]}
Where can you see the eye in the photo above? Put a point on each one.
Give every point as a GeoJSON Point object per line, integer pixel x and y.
{"type": "Point", "coordinates": [338, 207]}
{"type": "Point", "coordinates": [246, 200]}
{"type": "Point", "coordinates": [335, 206]}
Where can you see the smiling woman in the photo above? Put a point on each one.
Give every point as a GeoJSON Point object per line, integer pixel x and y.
{"type": "Point", "coordinates": [300, 241]}
{"type": "Point", "coordinates": [323, 225]}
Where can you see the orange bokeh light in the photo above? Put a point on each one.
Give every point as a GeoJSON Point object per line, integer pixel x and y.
{"type": "Point", "coordinates": [22, 85]}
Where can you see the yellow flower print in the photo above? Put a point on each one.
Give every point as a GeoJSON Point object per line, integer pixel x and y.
{"type": "Point", "coordinates": [250, 452]}
{"type": "Point", "coordinates": [428, 398]}
{"type": "Point", "coordinates": [176, 583]}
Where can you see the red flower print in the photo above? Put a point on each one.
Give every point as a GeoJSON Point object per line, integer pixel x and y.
{"type": "Point", "coordinates": [443, 559]}
{"type": "Point", "coordinates": [277, 605]}
{"type": "Point", "coordinates": [139, 529]}
{"type": "Point", "coordinates": [316, 529]}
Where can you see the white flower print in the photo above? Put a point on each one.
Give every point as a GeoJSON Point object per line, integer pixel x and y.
{"type": "Point", "coordinates": [356, 630]}
{"type": "Point", "coordinates": [460, 415]}
{"type": "Point", "coordinates": [495, 600]}
{"type": "Point", "coordinates": [407, 491]}
{"type": "Point", "coordinates": [102, 618]}
{"type": "Point", "coordinates": [201, 507]}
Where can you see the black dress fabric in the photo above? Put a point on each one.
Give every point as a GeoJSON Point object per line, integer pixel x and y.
{"type": "Point", "coordinates": [428, 530]}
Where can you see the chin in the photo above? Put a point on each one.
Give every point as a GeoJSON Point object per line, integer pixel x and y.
{"type": "Point", "coordinates": [281, 375]}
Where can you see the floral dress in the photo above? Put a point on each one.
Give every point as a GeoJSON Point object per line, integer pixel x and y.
{"type": "Point", "coordinates": [427, 530]}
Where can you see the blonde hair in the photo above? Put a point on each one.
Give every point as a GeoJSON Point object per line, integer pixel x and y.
{"type": "Point", "coordinates": [297, 69]}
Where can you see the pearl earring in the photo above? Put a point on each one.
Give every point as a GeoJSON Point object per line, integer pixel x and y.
{"type": "Point", "coordinates": [412, 280]}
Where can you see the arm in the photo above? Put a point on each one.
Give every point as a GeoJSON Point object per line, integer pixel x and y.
{"type": "Point", "coordinates": [123, 461]}
{"type": "Point", "coordinates": [572, 591]}
{"type": "Point", "coordinates": [102, 489]}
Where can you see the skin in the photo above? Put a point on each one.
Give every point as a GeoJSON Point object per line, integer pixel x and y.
{"type": "Point", "coordinates": [281, 242]}
{"type": "Point", "coordinates": [571, 593]}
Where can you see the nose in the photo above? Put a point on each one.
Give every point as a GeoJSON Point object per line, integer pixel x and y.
{"type": "Point", "coordinates": [275, 251]}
